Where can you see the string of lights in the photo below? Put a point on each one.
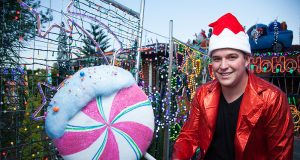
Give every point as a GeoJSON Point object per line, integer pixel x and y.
{"type": "Point", "coordinates": [36, 63]}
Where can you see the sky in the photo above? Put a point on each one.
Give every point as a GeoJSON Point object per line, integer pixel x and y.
{"type": "Point", "coordinates": [190, 16]}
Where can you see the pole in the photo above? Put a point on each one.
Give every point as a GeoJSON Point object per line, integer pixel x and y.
{"type": "Point", "coordinates": [167, 125]}
{"type": "Point", "coordinates": [150, 77]}
{"type": "Point", "coordinates": [138, 56]}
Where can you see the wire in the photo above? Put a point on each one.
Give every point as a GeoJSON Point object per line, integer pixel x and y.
{"type": "Point", "coordinates": [156, 34]}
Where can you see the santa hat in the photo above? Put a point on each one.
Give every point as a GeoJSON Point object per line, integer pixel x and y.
{"type": "Point", "coordinates": [228, 33]}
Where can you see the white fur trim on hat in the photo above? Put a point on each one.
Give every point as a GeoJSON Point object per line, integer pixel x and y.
{"type": "Point", "coordinates": [227, 39]}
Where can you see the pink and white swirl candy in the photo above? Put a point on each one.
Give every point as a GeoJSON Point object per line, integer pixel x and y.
{"type": "Point", "coordinates": [115, 122]}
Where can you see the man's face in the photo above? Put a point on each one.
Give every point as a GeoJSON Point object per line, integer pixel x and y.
{"type": "Point", "coordinates": [229, 66]}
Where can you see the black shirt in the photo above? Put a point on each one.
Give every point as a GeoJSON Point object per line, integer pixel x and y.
{"type": "Point", "coordinates": [222, 145]}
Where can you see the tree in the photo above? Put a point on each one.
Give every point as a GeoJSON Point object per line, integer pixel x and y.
{"type": "Point", "coordinates": [34, 141]}
{"type": "Point", "coordinates": [99, 36]}
{"type": "Point", "coordinates": [63, 59]}
{"type": "Point", "coordinates": [63, 47]}
{"type": "Point", "coordinates": [18, 26]}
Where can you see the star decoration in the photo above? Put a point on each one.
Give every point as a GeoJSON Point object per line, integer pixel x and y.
{"type": "Point", "coordinates": [44, 99]}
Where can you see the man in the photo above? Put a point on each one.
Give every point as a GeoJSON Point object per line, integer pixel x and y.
{"type": "Point", "coordinates": [237, 115]}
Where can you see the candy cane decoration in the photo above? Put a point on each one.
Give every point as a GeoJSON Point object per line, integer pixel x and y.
{"type": "Point", "coordinates": [70, 27]}
{"type": "Point", "coordinates": [98, 21]}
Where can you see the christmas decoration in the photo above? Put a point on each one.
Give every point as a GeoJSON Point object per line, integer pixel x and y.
{"type": "Point", "coordinates": [112, 119]}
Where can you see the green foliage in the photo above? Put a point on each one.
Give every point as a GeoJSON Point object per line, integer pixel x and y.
{"type": "Point", "coordinates": [20, 136]}
{"type": "Point", "coordinates": [63, 46]}
{"type": "Point", "coordinates": [63, 60]}
{"type": "Point", "coordinates": [33, 131]}
{"type": "Point", "coordinates": [17, 27]}
{"type": "Point", "coordinates": [99, 36]}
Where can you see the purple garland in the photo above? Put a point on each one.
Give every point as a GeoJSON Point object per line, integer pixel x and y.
{"type": "Point", "coordinates": [69, 30]}
{"type": "Point", "coordinates": [44, 99]}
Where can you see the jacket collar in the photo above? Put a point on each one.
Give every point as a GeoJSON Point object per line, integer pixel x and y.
{"type": "Point", "coordinates": [250, 110]}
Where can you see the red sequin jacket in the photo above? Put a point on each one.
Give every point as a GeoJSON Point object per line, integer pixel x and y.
{"type": "Point", "coordinates": [264, 128]}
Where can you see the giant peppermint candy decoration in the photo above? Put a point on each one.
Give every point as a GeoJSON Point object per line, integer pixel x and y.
{"type": "Point", "coordinates": [113, 126]}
